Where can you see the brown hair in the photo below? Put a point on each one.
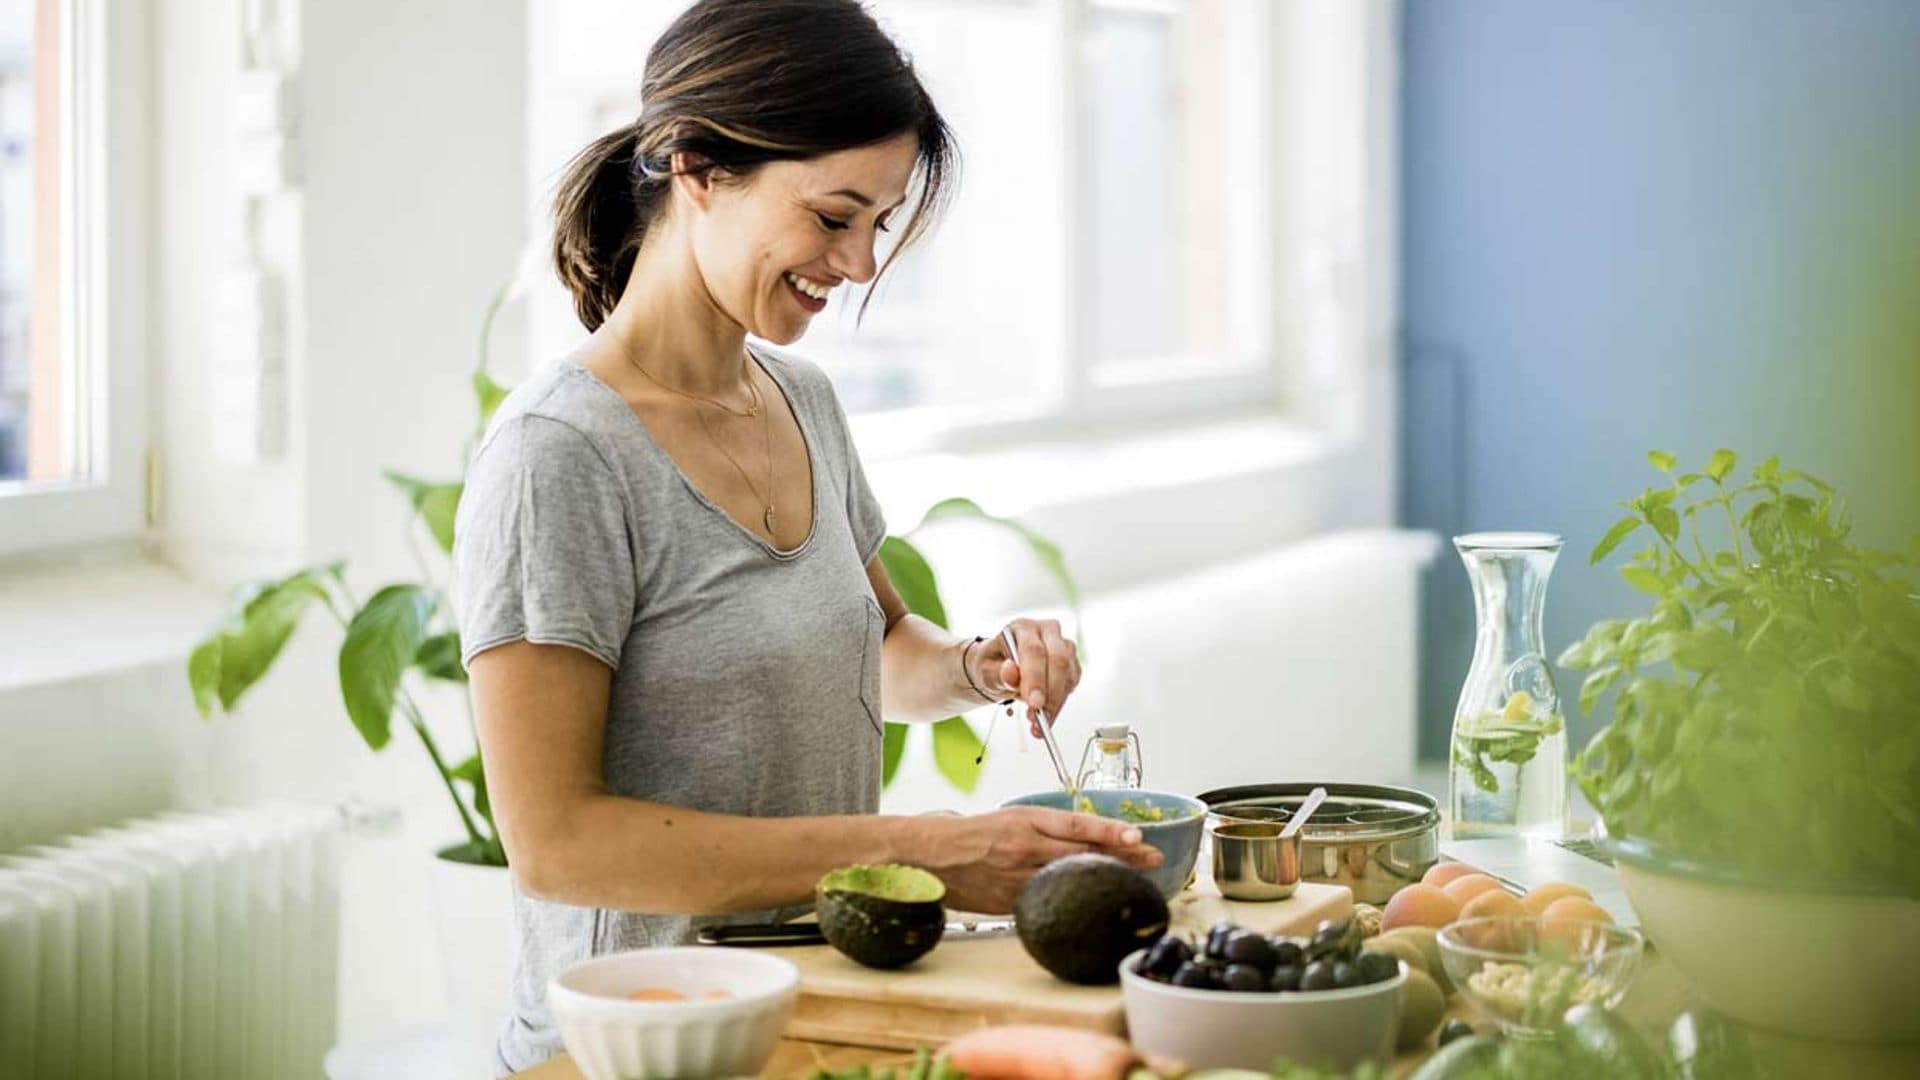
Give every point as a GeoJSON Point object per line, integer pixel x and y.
{"type": "Point", "coordinates": [736, 84]}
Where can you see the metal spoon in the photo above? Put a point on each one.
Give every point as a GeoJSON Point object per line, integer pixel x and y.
{"type": "Point", "coordinates": [1314, 799]}
{"type": "Point", "coordinates": [1046, 732]}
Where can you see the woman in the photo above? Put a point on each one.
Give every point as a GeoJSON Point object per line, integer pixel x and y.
{"type": "Point", "coordinates": [672, 613]}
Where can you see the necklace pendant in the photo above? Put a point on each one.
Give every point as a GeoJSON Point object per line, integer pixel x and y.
{"type": "Point", "coordinates": [769, 520]}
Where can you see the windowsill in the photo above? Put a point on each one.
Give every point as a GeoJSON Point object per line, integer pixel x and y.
{"type": "Point", "coordinates": [1032, 476]}
{"type": "Point", "coordinates": [1124, 508]}
{"type": "Point", "coordinates": [104, 611]}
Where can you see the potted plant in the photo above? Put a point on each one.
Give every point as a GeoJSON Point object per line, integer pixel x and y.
{"type": "Point", "coordinates": [404, 632]}
{"type": "Point", "coordinates": [1760, 780]}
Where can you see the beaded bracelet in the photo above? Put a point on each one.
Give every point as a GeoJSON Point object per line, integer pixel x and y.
{"type": "Point", "coordinates": [966, 669]}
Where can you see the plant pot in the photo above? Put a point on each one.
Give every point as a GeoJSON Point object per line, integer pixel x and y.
{"type": "Point", "coordinates": [1819, 960]}
{"type": "Point", "coordinates": [473, 912]}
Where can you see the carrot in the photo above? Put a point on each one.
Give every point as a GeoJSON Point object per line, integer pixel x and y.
{"type": "Point", "coordinates": [1035, 1052]}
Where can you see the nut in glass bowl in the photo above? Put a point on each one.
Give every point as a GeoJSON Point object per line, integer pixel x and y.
{"type": "Point", "coordinates": [1524, 973]}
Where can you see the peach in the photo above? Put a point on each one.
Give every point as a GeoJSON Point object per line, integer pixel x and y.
{"type": "Point", "coordinates": [1537, 900]}
{"type": "Point", "coordinates": [1419, 905]}
{"type": "Point", "coordinates": [1566, 921]}
{"type": "Point", "coordinates": [1441, 874]}
{"type": "Point", "coordinates": [1491, 903]}
{"type": "Point", "coordinates": [1463, 889]}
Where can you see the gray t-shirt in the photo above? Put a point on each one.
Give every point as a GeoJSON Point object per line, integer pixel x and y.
{"type": "Point", "coordinates": [746, 679]}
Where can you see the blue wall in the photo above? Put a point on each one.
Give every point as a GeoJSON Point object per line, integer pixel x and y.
{"type": "Point", "coordinates": [1632, 224]}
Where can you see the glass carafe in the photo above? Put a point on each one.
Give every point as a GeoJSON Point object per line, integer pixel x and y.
{"type": "Point", "coordinates": [1111, 760]}
{"type": "Point", "coordinates": [1507, 758]}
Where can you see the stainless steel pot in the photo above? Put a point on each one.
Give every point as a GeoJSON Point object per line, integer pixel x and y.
{"type": "Point", "coordinates": [1372, 838]}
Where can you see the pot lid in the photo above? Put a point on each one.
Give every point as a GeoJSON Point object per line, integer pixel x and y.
{"type": "Point", "coordinates": [1351, 812]}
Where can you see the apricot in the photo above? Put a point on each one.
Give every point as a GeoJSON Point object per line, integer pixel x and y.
{"type": "Point", "coordinates": [1491, 903]}
{"type": "Point", "coordinates": [1463, 889]}
{"type": "Point", "coordinates": [1567, 921]}
{"type": "Point", "coordinates": [656, 995]}
{"type": "Point", "coordinates": [1541, 896]}
{"type": "Point", "coordinates": [1441, 874]}
{"type": "Point", "coordinates": [1419, 905]}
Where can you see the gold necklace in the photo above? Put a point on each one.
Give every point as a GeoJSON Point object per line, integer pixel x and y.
{"type": "Point", "coordinates": [766, 445]}
{"type": "Point", "coordinates": [755, 409]}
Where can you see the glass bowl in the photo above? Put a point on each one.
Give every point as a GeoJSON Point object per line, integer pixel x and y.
{"type": "Point", "coordinates": [1524, 972]}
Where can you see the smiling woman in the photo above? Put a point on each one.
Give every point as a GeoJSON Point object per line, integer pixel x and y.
{"type": "Point", "coordinates": [671, 605]}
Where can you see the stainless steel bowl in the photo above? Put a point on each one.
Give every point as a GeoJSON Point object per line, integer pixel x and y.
{"type": "Point", "coordinates": [1372, 838]}
{"type": "Point", "coordinates": [1252, 861]}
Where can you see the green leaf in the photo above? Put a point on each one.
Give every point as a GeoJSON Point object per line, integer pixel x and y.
{"type": "Point", "coordinates": [1666, 522]}
{"type": "Point", "coordinates": [435, 503]}
{"type": "Point", "coordinates": [956, 750]}
{"type": "Point", "coordinates": [893, 747]}
{"type": "Point", "coordinates": [259, 620]}
{"type": "Point", "coordinates": [1595, 685]}
{"type": "Point", "coordinates": [489, 394]}
{"type": "Point", "coordinates": [1045, 550]}
{"type": "Point", "coordinates": [439, 657]}
{"type": "Point", "coordinates": [1720, 464]}
{"type": "Point", "coordinates": [382, 641]}
{"type": "Point", "coordinates": [475, 777]}
{"type": "Point", "coordinates": [913, 579]}
{"type": "Point", "coordinates": [1662, 460]}
{"type": "Point", "coordinates": [1620, 531]}
{"type": "Point", "coordinates": [1644, 578]}
{"type": "Point", "coordinates": [203, 674]}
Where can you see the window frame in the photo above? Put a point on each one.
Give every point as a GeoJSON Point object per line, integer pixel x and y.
{"type": "Point", "coordinates": [1086, 406]}
{"type": "Point", "coordinates": [105, 82]}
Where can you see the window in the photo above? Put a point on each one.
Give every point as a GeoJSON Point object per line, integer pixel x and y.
{"type": "Point", "coordinates": [1110, 248]}
{"type": "Point", "coordinates": [70, 432]}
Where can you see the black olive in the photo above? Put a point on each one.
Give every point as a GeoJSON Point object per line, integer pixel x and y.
{"type": "Point", "coordinates": [1218, 936]}
{"type": "Point", "coordinates": [1317, 976]}
{"type": "Point", "coordinates": [1243, 977]}
{"type": "Point", "coordinates": [1378, 967]}
{"type": "Point", "coordinates": [1455, 1029]}
{"type": "Point", "coordinates": [1166, 956]}
{"type": "Point", "coordinates": [1288, 951]}
{"type": "Point", "coordinates": [1346, 974]}
{"type": "Point", "coordinates": [1285, 977]}
{"type": "Point", "coordinates": [1194, 975]}
{"type": "Point", "coordinates": [1251, 949]}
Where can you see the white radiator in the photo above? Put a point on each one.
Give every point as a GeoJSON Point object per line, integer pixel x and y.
{"type": "Point", "coordinates": [173, 948]}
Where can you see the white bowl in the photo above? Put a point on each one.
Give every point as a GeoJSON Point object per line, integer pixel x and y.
{"type": "Point", "coordinates": [1224, 1029]}
{"type": "Point", "coordinates": [1820, 961]}
{"type": "Point", "coordinates": [613, 1038]}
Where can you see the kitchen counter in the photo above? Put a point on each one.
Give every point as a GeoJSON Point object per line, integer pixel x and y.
{"type": "Point", "coordinates": [1658, 995]}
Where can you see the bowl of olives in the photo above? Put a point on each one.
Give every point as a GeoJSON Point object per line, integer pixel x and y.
{"type": "Point", "coordinates": [1240, 998]}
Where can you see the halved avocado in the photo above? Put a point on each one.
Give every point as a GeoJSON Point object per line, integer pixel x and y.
{"type": "Point", "coordinates": [1080, 915]}
{"type": "Point", "coordinates": [881, 916]}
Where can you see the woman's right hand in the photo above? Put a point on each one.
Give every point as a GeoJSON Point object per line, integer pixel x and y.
{"type": "Point", "coordinates": [985, 858]}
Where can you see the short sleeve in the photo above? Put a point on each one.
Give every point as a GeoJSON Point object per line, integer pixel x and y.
{"type": "Point", "coordinates": [542, 550]}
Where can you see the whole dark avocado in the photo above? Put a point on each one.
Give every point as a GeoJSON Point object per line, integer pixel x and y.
{"type": "Point", "coordinates": [1082, 914]}
{"type": "Point", "coordinates": [881, 916]}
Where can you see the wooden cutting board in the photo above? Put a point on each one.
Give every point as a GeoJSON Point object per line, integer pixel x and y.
{"type": "Point", "coordinates": [968, 983]}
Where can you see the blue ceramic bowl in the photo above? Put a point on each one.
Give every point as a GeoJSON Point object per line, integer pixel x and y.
{"type": "Point", "coordinates": [1178, 838]}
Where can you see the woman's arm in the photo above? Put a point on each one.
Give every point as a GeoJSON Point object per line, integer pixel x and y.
{"type": "Point", "coordinates": [922, 678]}
{"type": "Point", "coordinates": [541, 715]}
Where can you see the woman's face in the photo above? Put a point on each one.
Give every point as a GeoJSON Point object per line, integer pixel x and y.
{"type": "Point", "coordinates": [800, 226]}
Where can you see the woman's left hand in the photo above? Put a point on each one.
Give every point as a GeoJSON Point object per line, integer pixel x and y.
{"type": "Point", "coordinates": [1044, 674]}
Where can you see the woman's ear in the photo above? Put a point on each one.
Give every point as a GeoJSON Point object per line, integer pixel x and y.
{"type": "Point", "coordinates": [693, 175]}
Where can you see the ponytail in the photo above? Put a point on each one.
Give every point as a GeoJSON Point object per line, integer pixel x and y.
{"type": "Point", "coordinates": [600, 214]}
